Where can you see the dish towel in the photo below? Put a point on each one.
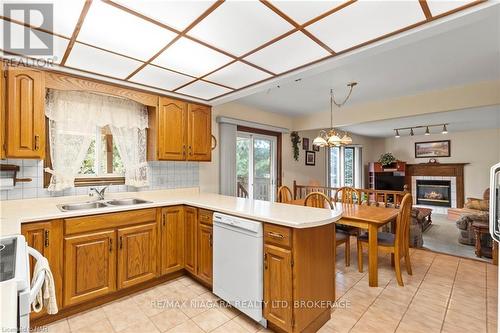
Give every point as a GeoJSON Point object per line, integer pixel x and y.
{"type": "Point", "coordinates": [47, 294]}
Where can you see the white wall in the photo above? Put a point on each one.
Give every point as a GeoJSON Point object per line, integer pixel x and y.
{"type": "Point", "coordinates": [480, 148]}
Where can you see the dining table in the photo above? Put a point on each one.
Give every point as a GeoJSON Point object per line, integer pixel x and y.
{"type": "Point", "coordinates": [366, 217]}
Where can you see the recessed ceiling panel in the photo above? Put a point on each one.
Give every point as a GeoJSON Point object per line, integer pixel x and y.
{"type": "Point", "coordinates": [175, 14]}
{"type": "Point", "coordinates": [442, 6]}
{"type": "Point", "coordinates": [160, 78]}
{"type": "Point", "coordinates": [203, 90]}
{"type": "Point", "coordinates": [288, 53]}
{"type": "Point", "coordinates": [365, 20]}
{"type": "Point", "coordinates": [191, 58]}
{"type": "Point", "coordinates": [36, 41]}
{"type": "Point", "coordinates": [240, 26]}
{"type": "Point", "coordinates": [303, 11]}
{"type": "Point", "coordinates": [65, 14]}
{"type": "Point", "coordinates": [115, 30]}
{"type": "Point", "coordinates": [101, 62]}
{"type": "Point", "coordinates": [238, 75]}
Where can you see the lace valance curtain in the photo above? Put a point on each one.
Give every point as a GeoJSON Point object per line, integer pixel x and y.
{"type": "Point", "coordinates": [73, 119]}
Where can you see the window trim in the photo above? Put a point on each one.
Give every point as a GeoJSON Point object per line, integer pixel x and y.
{"type": "Point", "coordinates": [79, 181]}
{"type": "Point", "coordinates": [357, 158]}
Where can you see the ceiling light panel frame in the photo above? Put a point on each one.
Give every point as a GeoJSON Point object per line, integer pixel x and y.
{"type": "Point", "coordinates": [204, 79]}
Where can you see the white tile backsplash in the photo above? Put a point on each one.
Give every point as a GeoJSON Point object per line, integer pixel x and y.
{"type": "Point", "coordinates": [163, 175]}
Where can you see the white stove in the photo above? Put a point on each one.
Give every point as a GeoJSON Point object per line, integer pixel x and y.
{"type": "Point", "coordinates": [16, 294]}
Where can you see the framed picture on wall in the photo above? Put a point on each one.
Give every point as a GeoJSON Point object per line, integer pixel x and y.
{"type": "Point", "coordinates": [305, 143]}
{"type": "Point", "coordinates": [310, 158]}
{"type": "Point", "coordinates": [432, 149]}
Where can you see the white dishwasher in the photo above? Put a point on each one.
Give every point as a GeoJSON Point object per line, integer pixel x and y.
{"type": "Point", "coordinates": [238, 264]}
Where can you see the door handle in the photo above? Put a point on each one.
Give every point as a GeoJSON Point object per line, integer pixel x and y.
{"type": "Point", "coordinates": [265, 260]}
{"type": "Point", "coordinates": [210, 239]}
{"type": "Point", "coordinates": [46, 238]}
{"type": "Point", "coordinates": [163, 219]}
{"type": "Point", "coordinates": [37, 142]}
{"type": "Point", "coordinates": [190, 150]}
{"type": "Point", "coordinates": [121, 242]}
{"type": "Point", "coordinates": [110, 245]}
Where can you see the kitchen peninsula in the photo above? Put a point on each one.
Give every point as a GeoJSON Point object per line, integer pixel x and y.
{"type": "Point", "coordinates": [101, 254]}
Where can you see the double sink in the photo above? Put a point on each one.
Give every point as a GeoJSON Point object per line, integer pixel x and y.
{"type": "Point", "coordinates": [101, 204]}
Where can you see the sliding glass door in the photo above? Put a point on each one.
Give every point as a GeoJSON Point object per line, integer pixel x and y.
{"type": "Point", "coordinates": [256, 166]}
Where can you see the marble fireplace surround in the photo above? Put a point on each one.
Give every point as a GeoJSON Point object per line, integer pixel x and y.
{"type": "Point", "coordinates": [454, 172]}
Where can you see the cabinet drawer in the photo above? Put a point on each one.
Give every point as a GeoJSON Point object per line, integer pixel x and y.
{"type": "Point", "coordinates": [278, 235]}
{"type": "Point", "coordinates": [107, 221]}
{"type": "Point", "coordinates": [205, 216]}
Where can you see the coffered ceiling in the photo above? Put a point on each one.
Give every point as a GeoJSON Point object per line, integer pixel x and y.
{"type": "Point", "coordinates": [209, 49]}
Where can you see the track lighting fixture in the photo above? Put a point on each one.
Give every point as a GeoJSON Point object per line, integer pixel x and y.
{"type": "Point", "coordinates": [426, 132]}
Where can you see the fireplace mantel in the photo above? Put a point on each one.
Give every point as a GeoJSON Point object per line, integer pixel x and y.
{"type": "Point", "coordinates": [439, 170]}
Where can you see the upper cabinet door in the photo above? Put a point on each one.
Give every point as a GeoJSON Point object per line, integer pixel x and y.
{"type": "Point", "coordinates": [199, 133]}
{"type": "Point", "coordinates": [25, 135]}
{"type": "Point", "coordinates": [172, 129]}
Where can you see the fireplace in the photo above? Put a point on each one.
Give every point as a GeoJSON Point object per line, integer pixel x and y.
{"type": "Point", "coordinates": [434, 192]}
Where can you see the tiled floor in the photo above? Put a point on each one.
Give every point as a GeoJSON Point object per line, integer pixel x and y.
{"type": "Point", "coordinates": [445, 294]}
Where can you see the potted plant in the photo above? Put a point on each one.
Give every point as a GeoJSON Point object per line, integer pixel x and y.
{"type": "Point", "coordinates": [295, 138]}
{"type": "Point", "coordinates": [387, 159]}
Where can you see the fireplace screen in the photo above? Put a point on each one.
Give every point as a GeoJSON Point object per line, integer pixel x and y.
{"type": "Point", "coordinates": [434, 192]}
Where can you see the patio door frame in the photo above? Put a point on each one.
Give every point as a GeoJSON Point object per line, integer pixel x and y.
{"type": "Point", "coordinates": [276, 164]}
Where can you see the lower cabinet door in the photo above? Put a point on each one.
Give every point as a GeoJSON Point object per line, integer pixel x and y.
{"type": "Point", "coordinates": [190, 231]}
{"type": "Point", "coordinates": [137, 253]}
{"type": "Point", "coordinates": [278, 287]}
{"type": "Point", "coordinates": [205, 253]}
{"type": "Point", "coordinates": [89, 267]}
{"type": "Point", "coordinates": [172, 234]}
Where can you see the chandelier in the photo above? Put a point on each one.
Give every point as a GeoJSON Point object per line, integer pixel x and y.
{"type": "Point", "coordinates": [333, 137]}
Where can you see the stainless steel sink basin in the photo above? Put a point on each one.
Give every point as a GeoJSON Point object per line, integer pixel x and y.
{"type": "Point", "coordinates": [101, 204]}
{"type": "Point", "coordinates": [126, 202]}
{"type": "Point", "coordinates": [79, 206]}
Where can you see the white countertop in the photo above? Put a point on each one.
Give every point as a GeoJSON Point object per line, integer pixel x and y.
{"type": "Point", "coordinates": [15, 212]}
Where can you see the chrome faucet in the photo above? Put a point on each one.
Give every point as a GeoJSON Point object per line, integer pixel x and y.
{"type": "Point", "coordinates": [98, 192]}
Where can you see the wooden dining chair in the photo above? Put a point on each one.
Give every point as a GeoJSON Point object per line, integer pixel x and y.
{"type": "Point", "coordinates": [397, 244]}
{"type": "Point", "coordinates": [284, 194]}
{"type": "Point", "coordinates": [348, 195]}
{"type": "Point", "coordinates": [320, 200]}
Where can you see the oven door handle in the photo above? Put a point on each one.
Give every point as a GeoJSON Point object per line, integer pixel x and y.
{"type": "Point", "coordinates": [35, 288]}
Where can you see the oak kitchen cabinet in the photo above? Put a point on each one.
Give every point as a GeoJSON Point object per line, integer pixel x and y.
{"type": "Point", "coordinates": [45, 237]}
{"type": "Point", "coordinates": [107, 252]}
{"type": "Point", "coordinates": [172, 239]}
{"type": "Point", "coordinates": [298, 271]}
{"type": "Point", "coordinates": [190, 239]}
{"type": "Point", "coordinates": [137, 254]}
{"type": "Point", "coordinates": [24, 113]}
{"type": "Point", "coordinates": [198, 255]}
{"type": "Point", "coordinates": [180, 131]}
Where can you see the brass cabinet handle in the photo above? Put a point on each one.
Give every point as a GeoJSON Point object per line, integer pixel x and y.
{"type": "Point", "coordinates": [210, 238]}
{"type": "Point", "coordinates": [46, 238]}
{"type": "Point", "coordinates": [265, 260]}
{"type": "Point", "coordinates": [121, 242]}
{"type": "Point", "coordinates": [110, 245]}
{"type": "Point", "coordinates": [275, 235]}
{"type": "Point", "coordinates": [190, 150]}
{"type": "Point", "coordinates": [163, 219]}
{"type": "Point", "coordinates": [37, 142]}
